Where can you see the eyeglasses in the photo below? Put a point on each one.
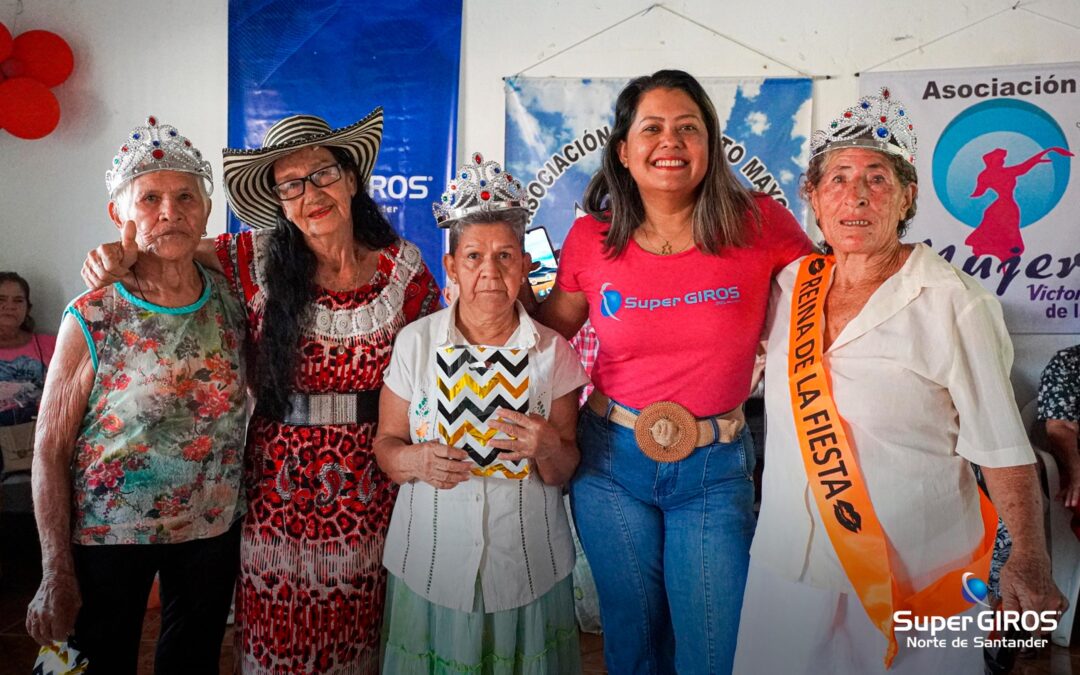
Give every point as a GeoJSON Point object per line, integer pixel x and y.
{"type": "Point", "coordinates": [324, 177]}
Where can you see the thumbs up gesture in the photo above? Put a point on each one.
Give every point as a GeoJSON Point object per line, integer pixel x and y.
{"type": "Point", "coordinates": [111, 262]}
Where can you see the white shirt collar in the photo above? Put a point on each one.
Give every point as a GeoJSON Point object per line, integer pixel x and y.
{"type": "Point", "coordinates": [923, 269]}
{"type": "Point", "coordinates": [524, 336]}
{"type": "Point", "coordinates": [926, 269]}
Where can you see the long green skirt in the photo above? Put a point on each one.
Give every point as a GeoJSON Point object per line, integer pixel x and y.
{"type": "Point", "coordinates": [540, 638]}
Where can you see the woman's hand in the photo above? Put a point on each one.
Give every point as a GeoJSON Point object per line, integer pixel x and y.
{"type": "Point", "coordinates": [438, 465]}
{"type": "Point", "coordinates": [1062, 436]}
{"type": "Point", "coordinates": [1027, 585]}
{"type": "Point", "coordinates": [111, 262]}
{"type": "Point", "coordinates": [51, 614]}
{"type": "Point", "coordinates": [531, 436]}
{"type": "Point", "coordinates": [1070, 484]}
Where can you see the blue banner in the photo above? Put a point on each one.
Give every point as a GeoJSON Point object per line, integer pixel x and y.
{"type": "Point", "coordinates": [556, 129]}
{"type": "Point", "coordinates": [339, 60]}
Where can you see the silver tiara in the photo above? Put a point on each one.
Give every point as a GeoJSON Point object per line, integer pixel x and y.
{"type": "Point", "coordinates": [156, 147]}
{"type": "Point", "coordinates": [478, 186]}
{"type": "Point", "coordinates": [876, 122]}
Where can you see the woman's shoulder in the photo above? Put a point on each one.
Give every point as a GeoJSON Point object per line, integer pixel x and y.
{"type": "Point", "coordinates": [46, 340]}
{"type": "Point", "coordinates": [589, 227]}
{"type": "Point", "coordinates": [773, 213]}
{"type": "Point", "coordinates": [420, 330]}
{"type": "Point", "coordinates": [91, 299]}
{"type": "Point", "coordinates": [935, 273]}
{"type": "Point", "coordinates": [405, 255]}
{"type": "Point", "coordinates": [548, 338]}
{"type": "Point", "coordinates": [785, 278]}
{"type": "Point", "coordinates": [586, 236]}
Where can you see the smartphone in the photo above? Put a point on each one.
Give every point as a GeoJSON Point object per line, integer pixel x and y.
{"type": "Point", "coordinates": [538, 246]}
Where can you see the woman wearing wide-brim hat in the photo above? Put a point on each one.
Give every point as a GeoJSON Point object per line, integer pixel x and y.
{"type": "Point", "coordinates": [327, 284]}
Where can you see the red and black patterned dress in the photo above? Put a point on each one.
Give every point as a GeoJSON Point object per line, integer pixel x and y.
{"type": "Point", "coordinates": [311, 585]}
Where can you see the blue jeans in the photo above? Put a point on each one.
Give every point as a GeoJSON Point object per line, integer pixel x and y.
{"type": "Point", "coordinates": [668, 544]}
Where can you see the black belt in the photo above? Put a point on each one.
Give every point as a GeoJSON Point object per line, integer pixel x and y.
{"type": "Point", "coordinates": [354, 407]}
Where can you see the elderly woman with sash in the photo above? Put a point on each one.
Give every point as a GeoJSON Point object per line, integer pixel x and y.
{"type": "Point", "coordinates": [887, 377]}
{"type": "Point", "coordinates": [138, 459]}
{"type": "Point", "coordinates": [476, 422]}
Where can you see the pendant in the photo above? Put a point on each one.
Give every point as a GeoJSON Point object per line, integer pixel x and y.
{"type": "Point", "coordinates": [666, 248]}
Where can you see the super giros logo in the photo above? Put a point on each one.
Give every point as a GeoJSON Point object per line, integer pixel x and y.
{"type": "Point", "coordinates": [974, 589]}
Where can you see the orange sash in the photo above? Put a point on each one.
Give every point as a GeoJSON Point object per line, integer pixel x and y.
{"type": "Point", "coordinates": [837, 483]}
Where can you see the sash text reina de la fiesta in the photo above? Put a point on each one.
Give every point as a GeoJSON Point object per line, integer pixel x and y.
{"type": "Point", "coordinates": [822, 439]}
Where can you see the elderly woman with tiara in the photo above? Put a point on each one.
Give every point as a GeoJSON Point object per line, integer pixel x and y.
{"type": "Point", "coordinates": [476, 423]}
{"type": "Point", "coordinates": [138, 461]}
{"type": "Point", "coordinates": [327, 285]}
{"type": "Point", "coordinates": [887, 376]}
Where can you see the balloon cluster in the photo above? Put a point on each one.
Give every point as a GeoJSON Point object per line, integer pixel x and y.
{"type": "Point", "coordinates": [29, 65]}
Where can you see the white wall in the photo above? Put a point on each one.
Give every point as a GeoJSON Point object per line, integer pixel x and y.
{"type": "Point", "coordinates": [132, 59]}
{"type": "Point", "coordinates": [169, 58]}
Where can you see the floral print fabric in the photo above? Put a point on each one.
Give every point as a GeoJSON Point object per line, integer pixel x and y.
{"type": "Point", "coordinates": [158, 458]}
{"type": "Point", "coordinates": [1059, 391]}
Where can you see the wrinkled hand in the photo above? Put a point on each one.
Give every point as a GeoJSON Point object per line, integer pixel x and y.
{"type": "Point", "coordinates": [1026, 584]}
{"type": "Point", "coordinates": [51, 614]}
{"type": "Point", "coordinates": [111, 262]}
{"type": "Point", "coordinates": [1070, 483]}
{"type": "Point", "coordinates": [440, 465]}
{"type": "Point", "coordinates": [532, 436]}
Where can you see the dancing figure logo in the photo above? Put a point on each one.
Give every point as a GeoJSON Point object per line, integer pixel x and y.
{"type": "Point", "coordinates": [999, 167]}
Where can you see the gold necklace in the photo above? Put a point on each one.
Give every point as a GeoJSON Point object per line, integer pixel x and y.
{"type": "Point", "coordinates": [665, 249]}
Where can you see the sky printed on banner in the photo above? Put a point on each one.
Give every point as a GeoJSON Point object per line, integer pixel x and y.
{"type": "Point", "coordinates": [766, 118]}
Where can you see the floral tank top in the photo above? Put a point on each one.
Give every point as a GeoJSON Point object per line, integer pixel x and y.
{"type": "Point", "coordinates": [159, 455]}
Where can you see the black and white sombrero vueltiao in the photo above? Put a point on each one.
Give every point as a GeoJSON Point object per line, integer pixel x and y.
{"type": "Point", "coordinates": [246, 172]}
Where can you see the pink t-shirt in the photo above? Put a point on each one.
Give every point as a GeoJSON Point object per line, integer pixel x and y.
{"type": "Point", "coordinates": [682, 327]}
{"type": "Point", "coordinates": [22, 378]}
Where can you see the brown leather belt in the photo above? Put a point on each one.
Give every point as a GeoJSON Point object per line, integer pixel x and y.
{"type": "Point", "coordinates": [668, 432]}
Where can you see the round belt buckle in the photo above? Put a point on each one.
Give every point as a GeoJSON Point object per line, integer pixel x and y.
{"type": "Point", "coordinates": [666, 432]}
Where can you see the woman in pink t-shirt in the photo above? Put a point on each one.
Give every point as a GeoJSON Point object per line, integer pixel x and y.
{"type": "Point", "coordinates": [24, 357]}
{"type": "Point", "coordinates": [672, 266]}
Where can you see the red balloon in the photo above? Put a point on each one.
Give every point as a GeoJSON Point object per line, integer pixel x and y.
{"type": "Point", "coordinates": [45, 56]}
{"type": "Point", "coordinates": [5, 42]}
{"type": "Point", "coordinates": [27, 108]}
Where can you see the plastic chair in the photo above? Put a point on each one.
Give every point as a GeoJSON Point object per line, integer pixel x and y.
{"type": "Point", "coordinates": [1064, 545]}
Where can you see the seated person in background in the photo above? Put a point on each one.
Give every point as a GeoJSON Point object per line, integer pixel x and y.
{"type": "Point", "coordinates": [139, 451]}
{"type": "Point", "coordinates": [24, 356]}
{"type": "Point", "coordinates": [1059, 405]}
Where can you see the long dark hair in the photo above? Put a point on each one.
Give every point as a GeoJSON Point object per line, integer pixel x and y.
{"type": "Point", "coordinates": [723, 205]}
{"type": "Point", "coordinates": [290, 286]}
{"type": "Point", "coordinates": [28, 321]}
